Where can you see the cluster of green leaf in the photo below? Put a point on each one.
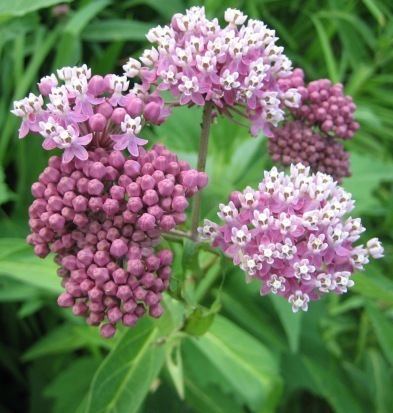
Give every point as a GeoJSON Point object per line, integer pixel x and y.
{"type": "Point", "coordinates": [220, 347]}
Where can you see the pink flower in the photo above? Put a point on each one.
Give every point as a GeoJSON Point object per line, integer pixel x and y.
{"type": "Point", "coordinates": [69, 140]}
{"type": "Point", "coordinates": [131, 127]}
{"type": "Point", "coordinates": [238, 65]}
{"type": "Point", "coordinates": [292, 234]}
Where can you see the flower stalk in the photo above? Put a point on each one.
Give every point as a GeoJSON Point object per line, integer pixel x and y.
{"type": "Point", "coordinates": [201, 164]}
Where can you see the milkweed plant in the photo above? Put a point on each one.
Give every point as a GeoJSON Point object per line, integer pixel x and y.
{"type": "Point", "coordinates": [107, 200]}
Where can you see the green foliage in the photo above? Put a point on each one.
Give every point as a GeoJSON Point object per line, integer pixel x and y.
{"type": "Point", "coordinates": [255, 356]}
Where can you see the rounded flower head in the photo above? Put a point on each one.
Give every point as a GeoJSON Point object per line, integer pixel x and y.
{"type": "Point", "coordinates": [296, 238]}
{"type": "Point", "coordinates": [103, 218]}
{"type": "Point", "coordinates": [312, 132]}
{"type": "Point", "coordinates": [237, 65]}
{"type": "Point", "coordinates": [295, 141]}
{"type": "Point", "coordinates": [81, 111]}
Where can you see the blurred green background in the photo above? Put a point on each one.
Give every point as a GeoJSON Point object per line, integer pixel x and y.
{"type": "Point", "coordinates": [255, 356]}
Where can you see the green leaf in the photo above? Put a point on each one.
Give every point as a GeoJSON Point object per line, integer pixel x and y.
{"type": "Point", "coordinates": [174, 364]}
{"type": "Point", "coordinates": [65, 338]}
{"type": "Point", "coordinates": [373, 285]}
{"type": "Point", "coordinates": [326, 49]}
{"type": "Point", "coordinates": [382, 382]}
{"type": "Point", "coordinates": [115, 30]}
{"type": "Point", "coordinates": [383, 328]}
{"type": "Point", "coordinates": [70, 386]}
{"type": "Point", "coordinates": [291, 322]}
{"type": "Point", "coordinates": [367, 174]}
{"type": "Point", "coordinates": [244, 363]}
{"type": "Point", "coordinates": [21, 7]}
{"type": "Point", "coordinates": [166, 9]}
{"type": "Point", "coordinates": [123, 380]}
{"type": "Point", "coordinates": [328, 381]}
{"type": "Point", "coordinates": [200, 320]}
{"type": "Point", "coordinates": [27, 268]}
{"type": "Point", "coordinates": [374, 9]}
{"type": "Point", "coordinates": [5, 193]}
{"type": "Point", "coordinates": [69, 48]}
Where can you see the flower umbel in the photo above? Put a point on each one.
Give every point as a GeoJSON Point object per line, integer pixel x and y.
{"type": "Point", "coordinates": [235, 67]}
{"type": "Point", "coordinates": [83, 111]}
{"type": "Point", "coordinates": [296, 238]}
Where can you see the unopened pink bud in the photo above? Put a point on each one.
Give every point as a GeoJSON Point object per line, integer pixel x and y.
{"type": "Point", "coordinates": [95, 187]}
{"type": "Point", "coordinates": [118, 115]}
{"type": "Point", "coordinates": [130, 320]}
{"type": "Point", "coordinates": [135, 267]}
{"type": "Point", "coordinates": [132, 168]}
{"type": "Point", "coordinates": [79, 203]}
{"type": "Point", "coordinates": [135, 107]}
{"type": "Point", "coordinates": [105, 109]}
{"type": "Point", "coordinates": [118, 248]}
{"type": "Point", "coordinates": [189, 178]}
{"type": "Point", "coordinates": [147, 182]}
{"type": "Point", "coordinates": [146, 222]}
{"type": "Point", "coordinates": [97, 122]}
{"type": "Point", "coordinates": [107, 330]}
{"type": "Point", "coordinates": [179, 203]}
{"type": "Point", "coordinates": [65, 300]}
{"type": "Point", "coordinates": [119, 276]}
{"type": "Point", "coordinates": [167, 223]}
{"type": "Point", "coordinates": [150, 197]}
{"type": "Point", "coordinates": [152, 112]}
{"type": "Point", "coordinates": [96, 85]}
{"type": "Point", "coordinates": [156, 311]}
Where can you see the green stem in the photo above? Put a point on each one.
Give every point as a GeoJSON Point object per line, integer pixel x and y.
{"type": "Point", "coordinates": [201, 165]}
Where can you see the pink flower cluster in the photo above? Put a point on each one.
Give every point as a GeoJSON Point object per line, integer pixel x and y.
{"type": "Point", "coordinates": [237, 67]}
{"type": "Point", "coordinates": [103, 218]}
{"type": "Point", "coordinates": [88, 111]}
{"type": "Point", "coordinates": [296, 142]}
{"type": "Point", "coordinates": [312, 136]}
{"type": "Point", "coordinates": [293, 235]}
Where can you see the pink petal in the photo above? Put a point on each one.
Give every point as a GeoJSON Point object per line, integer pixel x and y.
{"type": "Point", "coordinates": [121, 141]}
{"type": "Point", "coordinates": [198, 99]}
{"type": "Point", "coordinates": [80, 152]}
{"type": "Point", "coordinates": [184, 99]}
{"type": "Point", "coordinates": [23, 130]}
{"type": "Point", "coordinates": [68, 155]}
{"type": "Point", "coordinates": [133, 147]}
{"type": "Point", "coordinates": [49, 144]}
{"type": "Point", "coordinates": [84, 140]}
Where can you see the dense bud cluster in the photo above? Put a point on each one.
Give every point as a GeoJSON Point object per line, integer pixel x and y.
{"type": "Point", "coordinates": [325, 115]}
{"type": "Point", "coordinates": [293, 235]}
{"type": "Point", "coordinates": [297, 142]}
{"type": "Point", "coordinates": [84, 110]}
{"type": "Point", "coordinates": [199, 61]}
{"type": "Point", "coordinates": [102, 218]}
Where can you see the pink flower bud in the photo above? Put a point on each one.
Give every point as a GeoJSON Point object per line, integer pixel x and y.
{"type": "Point", "coordinates": [105, 109]}
{"type": "Point", "coordinates": [156, 311]}
{"type": "Point", "coordinates": [65, 300]}
{"type": "Point", "coordinates": [97, 122]}
{"type": "Point", "coordinates": [146, 222]}
{"type": "Point", "coordinates": [152, 112]}
{"type": "Point", "coordinates": [179, 203]}
{"type": "Point", "coordinates": [96, 85]}
{"type": "Point", "coordinates": [135, 107]}
{"type": "Point", "coordinates": [79, 203]}
{"type": "Point", "coordinates": [118, 248]}
{"type": "Point", "coordinates": [150, 197]}
{"type": "Point", "coordinates": [95, 187]}
{"type": "Point", "coordinates": [107, 330]}
{"type": "Point", "coordinates": [118, 115]}
{"type": "Point", "coordinates": [132, 168]}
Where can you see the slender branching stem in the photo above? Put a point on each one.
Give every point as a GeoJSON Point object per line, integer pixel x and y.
{"type": "Point", "coordinates": [201, 165]}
